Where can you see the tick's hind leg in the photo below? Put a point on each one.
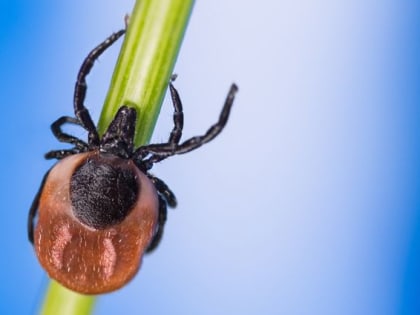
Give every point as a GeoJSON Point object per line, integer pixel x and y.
{"type": "Point", "coordinates": [166, 198]}
{"type": "Point", "coordinates": [34, 209]}
{"type": "Point", "coordinates": [163, 190]}
{"type": "Point", "coordinates": [161, 223]}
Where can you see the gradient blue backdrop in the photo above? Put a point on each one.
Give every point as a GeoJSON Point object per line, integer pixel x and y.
{"type": "Point", "coordinates": [308, 203]}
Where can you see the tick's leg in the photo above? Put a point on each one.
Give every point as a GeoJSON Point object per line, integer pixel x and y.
{"type": "Point", "coordinates": [164, 190]}
{"type": "Point", "coordinates": [164, 150]}
{"type": "Point", "coordinates": [176, 133]}
{"type": "Point", "coordinates": [61, 154]}
{"type": "Point", "coordinates": [178, 117]}
{"type": "Point", "coordinates": [34, 209]}
{"type": "Point", "coordinates": [64, 137]}
{"type": "Point", "coordinates": [80, 111]}
{"type": "Point", "coordinates": [214, 130]}
{"type": "Point", "coordinates": [161, 223]}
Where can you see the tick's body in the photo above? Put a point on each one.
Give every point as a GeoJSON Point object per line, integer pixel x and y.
{"type": "Point", "coordinates": [99, 209]}
{"type": "Point", "coordinates": [86, 259]}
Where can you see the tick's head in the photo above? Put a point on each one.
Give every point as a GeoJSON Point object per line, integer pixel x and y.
{"type": "Point", "coordinates": [118, 138]}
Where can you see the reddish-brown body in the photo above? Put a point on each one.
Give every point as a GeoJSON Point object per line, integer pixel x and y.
{"type": "Point", "coordinates": [84, 259]}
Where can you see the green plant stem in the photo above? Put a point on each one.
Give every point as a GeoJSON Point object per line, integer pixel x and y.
{"type": "Point", "coordinates": [145, 64]}
{"type": "Point", "coordinates": [154, 35]}
{"type": "Point", "coordinates": [60, 300]}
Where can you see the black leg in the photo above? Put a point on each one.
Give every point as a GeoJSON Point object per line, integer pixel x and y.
{"type": "Point", "coordinates": [64, 137]}
{"type": "Point", "coordinates": [178, 116]}
{"type": "Point", "coordinates": [61, 154]}
{"type": "Point", "coordinates": [161, 223]}
{"type": "Point", "coordinates": [34, 209]}
{"type": "Point", "coordinates": [164, 190]}
{"type": "Point", "coordinates": [164, 150]}
{"type": "Point", "coordinates": [80, 110]}
{"type": "Point", "coordinates": [214, 130]}
{"type": "Point", "coordinates": [176, 133]}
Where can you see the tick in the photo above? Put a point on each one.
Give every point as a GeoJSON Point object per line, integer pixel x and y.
{"type": "Point", "coordinates": [99, 209]}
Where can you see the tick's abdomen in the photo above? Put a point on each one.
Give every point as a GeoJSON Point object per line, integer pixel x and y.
{"type": "Point", "coordinates": [95, 260]}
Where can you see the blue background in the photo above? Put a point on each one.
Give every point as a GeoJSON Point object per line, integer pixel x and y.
{"type": "Point", "coordinates": [308, 203]}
